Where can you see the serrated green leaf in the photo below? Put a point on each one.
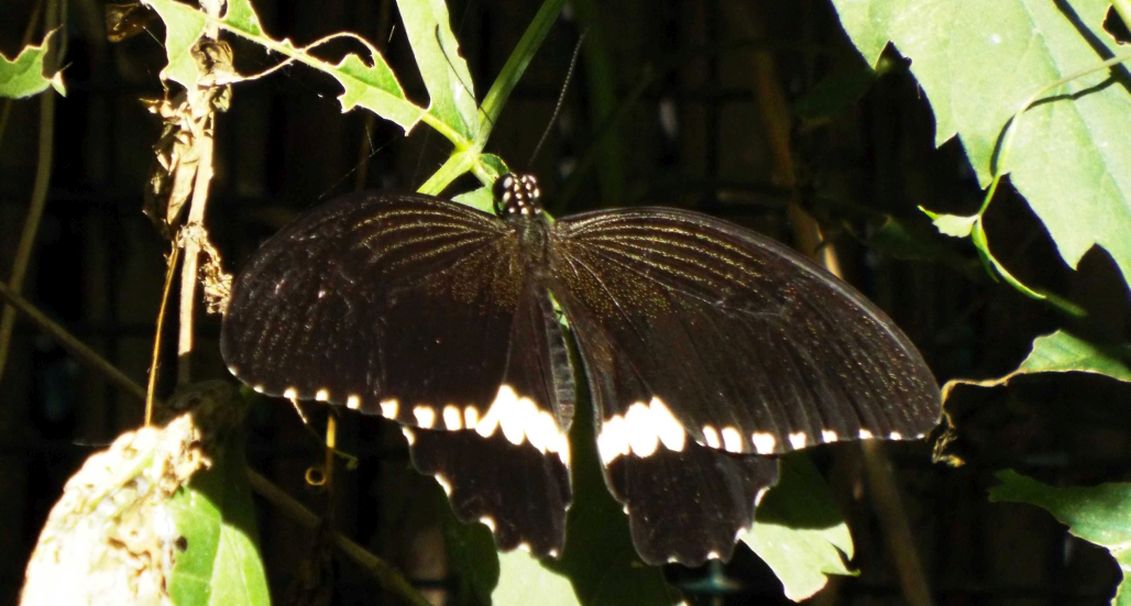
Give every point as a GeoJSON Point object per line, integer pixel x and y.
{"type": "Point", "coordinates": [798, 531]}
{"type": "Point", "coordinates": [374, 87]}
{"type": "Point", "coordinates": [241, 15]}
{"type": "Point", "coordinates": [979, 61]}
{"type": "Point", "coordinates": [450, 89]}
{"type": "Point", "coordinates": [26, 75]}
{"type": "Point", "coordinates": [214, 514]}
{"type": "Point", "coordinates": [1063, 352]}
{"type": "Point", "coordinates": [1098, 514]}
{"type": "Point", "coordinates": [366, 83]}
{"type": "Point", "coordinates": [184, 25]}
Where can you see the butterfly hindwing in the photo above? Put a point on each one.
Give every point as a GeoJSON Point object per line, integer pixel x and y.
{"type": "Point", "coordinates": [685, 502]}
{"type": "Point", "coordinates": [425, 312]}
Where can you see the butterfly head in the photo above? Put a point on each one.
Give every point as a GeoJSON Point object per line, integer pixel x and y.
{"type": "Point", "coordinates": [517, 195]}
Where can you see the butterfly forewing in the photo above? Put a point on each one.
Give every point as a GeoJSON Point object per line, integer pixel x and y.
{"type": "Point", "coordinates": [751, 347]}
{"type": "Point", "coordinates": [426, 312]}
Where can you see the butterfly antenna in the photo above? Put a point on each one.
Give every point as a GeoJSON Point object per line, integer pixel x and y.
{"type": "Point", "coordinates": [561, 97]}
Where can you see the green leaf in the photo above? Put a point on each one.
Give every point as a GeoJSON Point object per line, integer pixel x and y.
{"type": "Point", "coordinates": [979, 61]}
{"type": "Point", "coordinates": [956, 226]}
{"type": "Point", "coordinates": [366, 82]}
{"type": "Point", "coordinates": [217, 561]}
{"type": "Point", "coordinates": [26, 75]}
{"type": "Point", "coordinates": [184, 25]}
{"type": "Point", "coordinates": [372, 86]}
{"type": "Point", "coordinates": [1063, 352]}
{"type": "Point", "coordinates": [527, 581]}
{"type": "Point", "coordinates": [1098, 514]}
{"type": "Point", "coordinates": [450, 89]}
{"type": "Point", "coordinates": [471, 555]}
{"type": "Point", "coordinates": [481, 198]}
{"type": "Point", "coordinates": [215, 515]}
{"type": "Point", "coordinates": [798, 531]}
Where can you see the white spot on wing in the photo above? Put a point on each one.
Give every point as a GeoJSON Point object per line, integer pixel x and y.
{"type": "Point", "coordinates": [712, 555]}
{"type": "Point", "coordinates": [453, 420]}
{"type": "Point", "coordinates": [764, 442]}
{"type": "Point", "coordinates": [895, 435]}
{"type": "Point", "coordinates": [322, 395]}
{"type": "Point", "coordinates": [865, 434]}
{"type": "Point", "coordinates": [524, 546]}
{"type": "Point", "coordinates": [258, 388]}
{"type": "Point", "coordinates": [641, 431]}
{"type": "Point", "coordinates": [553, 553]}
{"type": "Point", "coordinates": [798, 440]}
{"type": "Point", "coordinates": [444, 483]}
{"type": "Point", "coordinates": [732, 440]}
{"type": "Point", "coordinates": [390, 408]}
{"type": "Point", "coordinates": [470, 417]}
{"type": "Point", "coordinates": [642, 438]}
{"type": "Point", "coordinates": [290, 393]}
{"type": "Point", "coordinates": [711, 437]}
{"type": "Point", "coordinates": [612, 441]}
{"type": "Point", "coordinates": [489, 522]}
{"type": "Point", "coordinates": [668, 428]}
{"type": "Point", "coordinates": [521, 420]}
{"type": "Point", "coordinates": [828, 435]}
{"type": "Point", "coordinates": [408, 435]}
{"type": "Point", "coordinates": [353, 402]}
{"type": "Point", "coordinates": [425, 416]}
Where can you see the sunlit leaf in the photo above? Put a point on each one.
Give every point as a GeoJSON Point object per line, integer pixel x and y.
{"type": "Point", "coordinates": [798, 531]}
{"type": "Point", "coordinates": [1098, 514]}
{"type": "Point", "coordinates": [27, 75]}
{"type": "Point", "coordinates": [978, 61]}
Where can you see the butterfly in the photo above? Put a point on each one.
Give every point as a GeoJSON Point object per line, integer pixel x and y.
{"type": "Point", "coordinates": [708, 351]}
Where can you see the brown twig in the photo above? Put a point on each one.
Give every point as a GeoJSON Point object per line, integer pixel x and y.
{"type": "Point", "coordinates": [158, 330]}
{"type": "Point", "coordinates": [203, 116]}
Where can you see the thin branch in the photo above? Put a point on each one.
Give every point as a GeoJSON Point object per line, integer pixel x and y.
{"type": "Point", "coordinates": [84, 354]}
{"type": "Point", "coordinates": [43, 166]}
{"type": "Point", "coordinates": [159, 329]}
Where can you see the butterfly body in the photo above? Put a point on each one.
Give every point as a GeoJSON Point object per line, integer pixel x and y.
{"type": "Point", "coordinates": [707, 351]}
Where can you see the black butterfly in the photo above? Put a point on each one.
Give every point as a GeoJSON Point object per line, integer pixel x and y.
{"type": "Point", "coordinates": [708, 350]}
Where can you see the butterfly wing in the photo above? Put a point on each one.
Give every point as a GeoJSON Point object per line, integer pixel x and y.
{"type": "Point", "coordinates": [423, 311]}
{"type": "Point", "coordinates": [702, 341]}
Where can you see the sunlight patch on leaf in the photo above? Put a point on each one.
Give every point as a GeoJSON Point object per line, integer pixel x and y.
{"type": "Point", "coordinates": [26, 75]}
{"type": "Point", "coordinates": [524, 580]}
{"type": "Point", "coordinates": [798, 531]}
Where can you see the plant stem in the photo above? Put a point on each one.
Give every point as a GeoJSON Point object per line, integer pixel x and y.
{"type": "Point", "coordinates": [43, 166]}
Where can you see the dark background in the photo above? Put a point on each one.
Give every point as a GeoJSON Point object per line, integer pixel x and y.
{"type": "Point", "coordinates": [673, 103]}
